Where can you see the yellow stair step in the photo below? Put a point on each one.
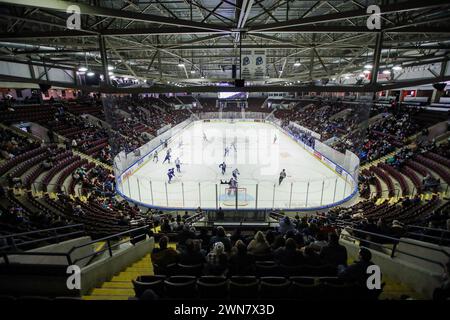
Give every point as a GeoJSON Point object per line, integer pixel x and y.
{"type": "Point", "coordinates": [105, 297]}
{"type": "Point", "coordinates": [118, 285]}
{"type": "Point", "coordinates": [112, 292]}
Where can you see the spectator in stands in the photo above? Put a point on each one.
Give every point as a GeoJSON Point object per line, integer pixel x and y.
{"type": "Point", "coordinates": [192, 253]}
{"type": "Point", "coordinates": [396, 229]}
{"type": "Point", "coordinates": [357, 272]}
{"type": "Point", "coordinates": [319, 243]}
{"type": "Point", "coordinates": [289, 255]}
{"type": "Point", "coordinates": [236, 236]}
{"type": "Point", "coordinates": [165, 226]}
{"type": "Point", "coordinates": [259, 244]}
{"type": "Point", "coordinates": [285, 225]}
{"type": "Point", "coordinates": [311, 258]}
{"type": "Point", "coordinates": [205, 238]}
{"type": "Point", "coordinates": [220, 214]}
{"type": "Point", "coordinates": [270, 237]}
{"type": "Point", "coordinates": [279, 242]}
{"type": "Point", "coordinates": [164, 255]}
{"type": "Point", "coordinates": [334, 253]}
{"type": "Point", "coordinates": [186, 234]}
{"type": "Point", "coordinates": [216, 260]}
{"type": "Point", "coordinates": [240, 262]}
{"type": "Point", "coordinates": [221, 237]}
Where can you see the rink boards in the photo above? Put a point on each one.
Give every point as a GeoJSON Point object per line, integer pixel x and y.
{"type": "Point", "coordinates": [337, 169]}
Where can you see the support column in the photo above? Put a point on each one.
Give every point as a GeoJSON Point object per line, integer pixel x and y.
{"type": "Point", "coordinates": [104, 57]}
{"type": "Point", "coordinates": [376, 63]}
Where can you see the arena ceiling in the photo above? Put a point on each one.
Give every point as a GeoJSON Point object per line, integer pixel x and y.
{"type": "Point", "coordinates": [191, 45]}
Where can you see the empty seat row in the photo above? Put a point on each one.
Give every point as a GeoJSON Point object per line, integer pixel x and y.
{"type": "Point", "coordinates": [250, 288]}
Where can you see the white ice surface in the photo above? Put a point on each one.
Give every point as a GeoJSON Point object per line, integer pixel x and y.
{"type": "Point", "coordinates": [309, 182]}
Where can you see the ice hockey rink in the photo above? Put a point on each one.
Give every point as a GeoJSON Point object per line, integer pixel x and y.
{"type": "Point", "coordinates": [259, 150]}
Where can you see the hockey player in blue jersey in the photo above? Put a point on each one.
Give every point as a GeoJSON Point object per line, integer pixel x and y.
{"type": "Point", "coordinates": [167, 158]}
{"type": "Point", "coordinates": [235, 173]}
{"type": "Point", "coordinates": [223, 166]}
{"type": "Point", "coordinates": [171, 174]}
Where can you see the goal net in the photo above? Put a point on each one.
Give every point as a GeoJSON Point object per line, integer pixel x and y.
{"type": "Point", "coordinates": [230, 197]}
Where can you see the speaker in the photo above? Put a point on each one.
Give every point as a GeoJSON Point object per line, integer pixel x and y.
{"type": "Point", "coordinates": [233, 71]}
{"type": "Point", "coordinates": [239, 83]}
{"type": "Point", "coordinates": [439, 86]}
{"type": "Point", "coordinates": [44, 87]}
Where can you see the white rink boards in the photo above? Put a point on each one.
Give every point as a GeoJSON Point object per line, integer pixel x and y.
{"type": "Point", "coordinates": [259, 150]}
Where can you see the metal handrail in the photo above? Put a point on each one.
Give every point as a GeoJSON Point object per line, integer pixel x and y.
{"type": "Point", "coordinates": [395, 244]}
{"type": "Point", "coordinates": [428, 228]}
{"type": "Point", "coordinates": [107, 238]}
{"type": "Point", "coordinates": [42, 230]}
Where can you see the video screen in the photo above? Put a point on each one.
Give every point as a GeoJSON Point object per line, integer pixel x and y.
{"type": "Point", "coordinates": [233, 95]}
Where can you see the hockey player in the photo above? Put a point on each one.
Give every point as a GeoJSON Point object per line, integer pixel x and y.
{"type": "Point", "coordinates": [275, 138]}
{"type": "Point", "coordinates": [155, 157]}
{"type": "Point", "coordinates": [227, 151]}
{"type": "Point", "coordinates": [233, 144]}
{"type": "Point", "coordinates": [178, 164]}
{"type": "Point", "coordinates": [235, 173]}
{"type": "Point", "coordinates": [282, 176]}
{"type": "Point", "coordinates": [233, 186]}
{"type": "Point", "coordinates": [167, 158]}
{"type": "Point", "coordinates": [205, 139]}
{"type": "Point", "coordinates": [223, 166]}
{"type": "Point", "coordinates": [171, 174]}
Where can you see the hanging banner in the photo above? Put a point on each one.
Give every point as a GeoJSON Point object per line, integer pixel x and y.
{"type": "Point", "coordinates": [253, 64]}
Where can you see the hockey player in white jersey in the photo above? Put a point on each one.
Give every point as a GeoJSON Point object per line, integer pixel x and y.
{"type": "Point", "coordinates": [233, 144]}
{"type": "Point", "coordinates": [178, 164]}
{"type": "Point", "coordinates": [235, 173]}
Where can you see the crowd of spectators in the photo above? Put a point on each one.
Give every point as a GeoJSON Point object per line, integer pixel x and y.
{"type": "Point", "coordinates": [300, 134]}
{"type": "Point", "coordinates": [12, 144]}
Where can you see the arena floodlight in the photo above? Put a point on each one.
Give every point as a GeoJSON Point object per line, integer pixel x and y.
{"type": "Point", "coordinates": [397, 68]}
{"type": "Point", "coordinates": [368, 66]}
{"type": "Point", "coordinates": [180, 64]}
{"type": "Point", "coordinates": [387, 72]}
{"type": "Point", "coordinates": [297, 63]}
{"type": "Point", "coordinates": [90, 74]}
{"type": "Point", "coordinates": [110, 68]}
{"type": "Point", "coordinates": [82, 69]}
